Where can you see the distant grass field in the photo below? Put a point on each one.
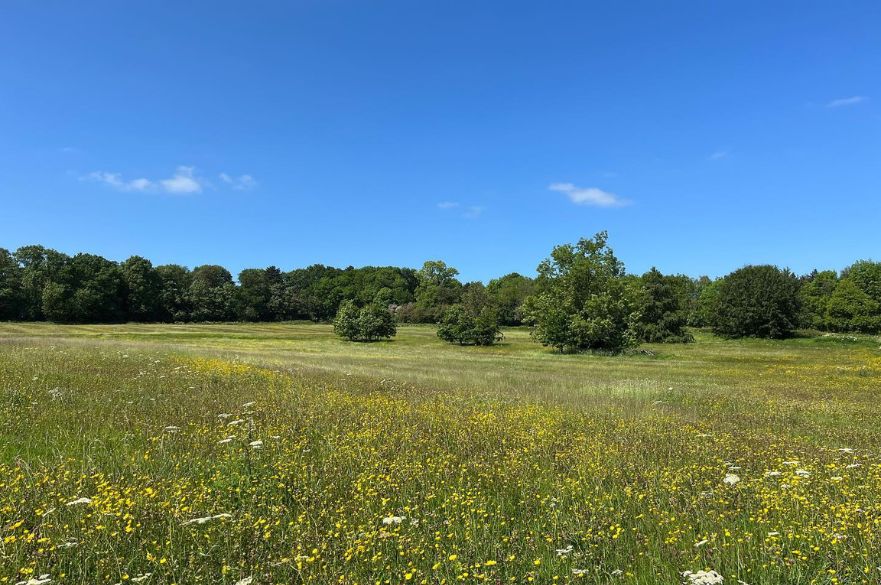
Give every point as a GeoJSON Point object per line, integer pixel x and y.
{"type": "Point", "coordinates": [278, 453]}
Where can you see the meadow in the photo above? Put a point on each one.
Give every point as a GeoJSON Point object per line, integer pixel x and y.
{"type": "Point", "coordinates": [277, 453]}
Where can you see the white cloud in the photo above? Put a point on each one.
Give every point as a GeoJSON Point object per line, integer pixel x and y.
{"type": "Point", "coordinates": [240, 183]}
{"type": "Point", "coordinates": [115, 180]}
{"type": "Point", "coordinates": [588, 195]}
{"type": "Point", "coordinates": [849, 101]}
{"type": "Point", "coordinates": [719, 155]}
{"type": "Point", "coordinates": [183, 181]}
{"type": "Point", "coordinates": [447, 205]}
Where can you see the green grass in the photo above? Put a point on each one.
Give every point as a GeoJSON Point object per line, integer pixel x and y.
{"type": "Point", "coordinates": [496, 458]}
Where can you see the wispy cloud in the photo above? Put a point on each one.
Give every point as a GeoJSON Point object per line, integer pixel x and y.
{"type": "Point", "coordinates": [719, 155]}
{"type": "Point", "coordinates": [240, 183]}
{"type": "Point", "coordinates": [184, 181]}
{"type": "Point", "coordinates": [448, 205]}
{"type": "Point", "coordinates": [473, 212]}
{"type": "Point", "coordinates": [848, 101]}
{"type": "Point", "coordinates": [116, 181]}
{"type": "Point", "coordinates": [588, 195]}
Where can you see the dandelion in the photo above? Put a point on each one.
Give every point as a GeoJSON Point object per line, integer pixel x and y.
{"type": "Point", "coordinates": [389, 520]}
{"type": "Point", "coordinates": [79, 501]}
{"type": "Point", "coordinates": [703, 578]}
{"type": "Point", "coordinates": [731, 479]}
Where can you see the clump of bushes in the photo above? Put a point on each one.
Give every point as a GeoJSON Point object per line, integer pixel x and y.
{"type": "Point", "coordinates": [459, 325]}
{"type": "Point", "coordinates": [757, 301]}
{"type": "Point", "coordinates": [369, 323]}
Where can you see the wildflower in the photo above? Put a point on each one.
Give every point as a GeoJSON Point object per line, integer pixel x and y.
{"type": "Point", "coordinates": [258, 444]}
{"type": "Point", "coordinates": [238, 421]}
{"type": "Point", "coordinates": [701, 543]}
{"type": "Point", "coordinates": [853, 466]}
{"type": "Point", "coordinates": [205, 519]}
{"type": "Point", "coordinates": [617, 573]}
{"type": "Point", "coordinates": [224, 415]}
{"type": "Point", "coordinates": [731, 479]}
{"type": "Point", "coordinates": [579, 572]}
{"type": "Point", "coordinates": [702, 577]}
{"type": "Point", "coordinates": [846, 450]}
{"type": "Point", "coordinates": [562, 552]}
{"type": "Point", "coordinates": [225, 441]}
{"type": "Point", "coordinates": [172, 429]}
{"type": "Point", "coordinates": [245, 581]}
{"type": "Point", "coordinates": [141, 578]}
{"type": "Point", "coordinates": [802, 473]}
{"type": "Point", "coordinates": [79, 501]}
{"type": "Point", "coordinates": [773, 474]}
{"type": "Point", "coordinates": [389, 520]}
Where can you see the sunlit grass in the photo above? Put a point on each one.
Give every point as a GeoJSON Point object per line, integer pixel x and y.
{"type": "Point", "coordinates": [219, 453]}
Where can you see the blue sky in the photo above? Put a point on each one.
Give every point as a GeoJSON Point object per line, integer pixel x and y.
{"type": "Point", "coordinates": [701, 135]}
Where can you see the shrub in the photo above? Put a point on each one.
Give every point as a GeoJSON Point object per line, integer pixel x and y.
{"type": "Point", "coordinates": [370, 323]}
{"type": "Point", "coordinates": [850, 308]}
{"type": "Point", "coordinates": [758, 301]}
{"type": "Point", "coordinates": [458, 325]}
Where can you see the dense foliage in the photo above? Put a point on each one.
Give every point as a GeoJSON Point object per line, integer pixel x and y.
{"type": "Point", "coordinates": [468, 327]}
{"type": "Point", "coordinates": [758, 301]}
{"type": "Point", "coordinates": [581, 298]}
{"type": "Point", "coordinates": [369, 323]}
{"type": "Point", "coordinates": [583, 301]}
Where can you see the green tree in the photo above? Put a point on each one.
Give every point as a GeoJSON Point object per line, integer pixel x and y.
{"type": "Point", "coordinates": [467, 327]}
{"type": "Point", "coordinates": [174, 300]}
{"type": "Point", "coordinates": [143, 290]}
{"type": "Point", "coordinates": [583, 302]}
{"type": "Point", "coordinates": [39, 266]}
{"type": "Point", "coordinates": [850, 308]}
{"type": "Point", "coordinates": [758, 301]}
{"type": "Point", "coordinates": [663, 312]}
{"type": "Point", "coordinates": [11, 308]}
{"type": "Point", "coordinates": [370, 323]}
{"type": "Point", "coordinates": [212, 294]}
{"type": "Point", "coordinates": [438, 288]}
{"type": "Point", "coordinates": [86, 289]}
{"type": "Point", "coordinates": [508, 294]}
{"type": "Point", "coordinates": [816, 292]}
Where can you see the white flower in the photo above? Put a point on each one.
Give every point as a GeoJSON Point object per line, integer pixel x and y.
{"type": "Point", "coordinates": [258, 444]}
{"type": "Point", "coordinates": [141, 579]}
{"type": "Point", "coordinates": [562, 552]}
{"type": "Point", "coordinates": [238, 421]}
{"type": "Point", "coordinates": [703, 578]}
{"type": "Point", "coordinates": [853, 466]}
{"type": "Point", "coordinates": [245, 581]}
{"type": "Point", "coordinates": [248, 404]}
{"type": "Point", "coordinates": [225, 441]}
{"type": "Point", "coordinates": [701, 543]}
{"type": "Point", "coordinates": [793, 462]}
{"type": "Point", "coordinates": [79, 501]}
{"type": "Point", "coordinates": [803, 473]}
{"type": "Point", "coordinates": [846, 450]}
{"type": "Point", "coordinates": [773, 474]}
{"type": "Point", "coordinates": [205, 519]}
{"type": "Point", "coordinates": [731, 479]}
{"type": "Point", "coordinates": [579, 572]}
{"type": "Point", "coordinates": [617, 572]}
{"type": "Point", "coordinates": [172, 429]}
{"type": "Point", "coordinates": [224, 415]}
{"type": "Point", "coordinates": [389, 520]}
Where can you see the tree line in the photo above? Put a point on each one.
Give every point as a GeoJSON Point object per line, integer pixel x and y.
{"type": "Point", "coordinates": [581, 298]}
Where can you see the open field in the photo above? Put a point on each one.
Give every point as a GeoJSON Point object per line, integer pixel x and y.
{"type": "Point", "coordinates": [216, 453]}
